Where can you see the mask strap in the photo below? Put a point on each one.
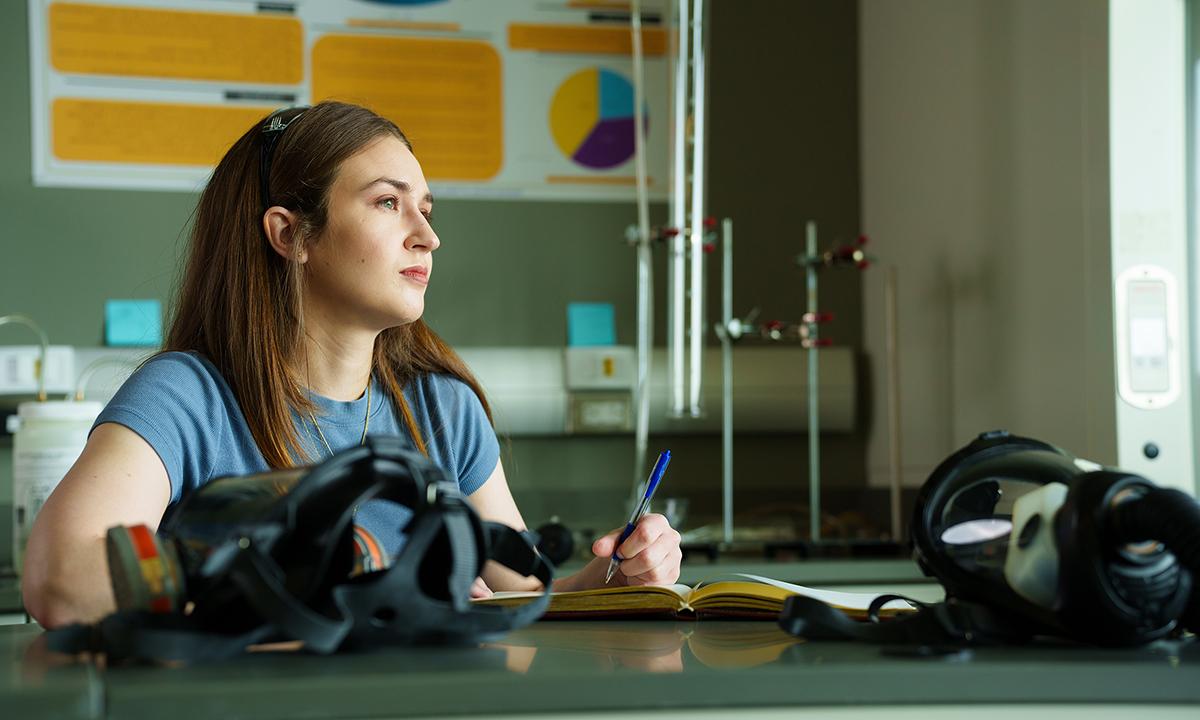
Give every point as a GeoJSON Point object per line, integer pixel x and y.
{"type": "Point", "coordinates": [952, 622]}
{"type": "Point", "coordinates": [265, 592]}
{"type": "Point", "coordinates": [518, 552]}
{"type": "Point", "coordinates": [137, 634]}
{"type": "Point", "coordinates": [465, 559]}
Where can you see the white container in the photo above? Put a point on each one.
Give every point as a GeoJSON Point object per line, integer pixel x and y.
{"type": "Point", "coordinates": [47, 439]}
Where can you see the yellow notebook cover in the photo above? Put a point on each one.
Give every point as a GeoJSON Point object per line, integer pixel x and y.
{"type": "Point", "coordinates": [749, 596]}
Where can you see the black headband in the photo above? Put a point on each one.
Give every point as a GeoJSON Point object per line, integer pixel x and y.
{"type": "Point", "coordinates": [272, 130]}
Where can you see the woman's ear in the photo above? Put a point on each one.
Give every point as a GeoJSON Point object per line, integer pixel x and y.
{"type": "Point", "coordinates": [281, 226]}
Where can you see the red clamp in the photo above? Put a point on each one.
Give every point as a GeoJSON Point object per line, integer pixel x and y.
{"type": "Point", "coordinates": [863, 263]}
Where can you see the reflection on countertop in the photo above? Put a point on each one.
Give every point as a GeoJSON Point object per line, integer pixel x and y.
{"type": "Point", "coordinates": [592, 666]}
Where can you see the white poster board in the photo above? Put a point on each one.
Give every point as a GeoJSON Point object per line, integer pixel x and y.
{"type": "Point", "coordinates": [528, 99]}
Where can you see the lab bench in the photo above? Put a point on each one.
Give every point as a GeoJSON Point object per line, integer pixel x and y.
{"type": "Point", "coordinates": [651, 668]}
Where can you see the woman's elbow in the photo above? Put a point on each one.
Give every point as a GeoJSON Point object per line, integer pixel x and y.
{"type": "Point", "coordinates": [46, 600]}
{"type": "Point", "coordinates": [55, 595]}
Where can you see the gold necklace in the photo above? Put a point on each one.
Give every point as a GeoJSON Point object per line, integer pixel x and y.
{"type": "Point", "coordinates": [366, 423]}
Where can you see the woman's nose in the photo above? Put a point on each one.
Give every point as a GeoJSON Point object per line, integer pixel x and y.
{"type": "Point", "coordinates": [422, 238]}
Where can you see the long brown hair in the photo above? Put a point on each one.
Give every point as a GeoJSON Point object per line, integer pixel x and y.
{"type": "Point", "coordinates": [239, 301]}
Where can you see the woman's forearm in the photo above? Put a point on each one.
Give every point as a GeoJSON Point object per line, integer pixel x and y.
{"type": "Point", "coordinates": [118, 480]}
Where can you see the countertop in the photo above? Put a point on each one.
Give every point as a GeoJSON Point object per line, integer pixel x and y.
{"type": "Point", "coordinates": [574, 667]}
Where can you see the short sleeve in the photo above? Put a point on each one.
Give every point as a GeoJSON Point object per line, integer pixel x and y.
{"type": "Point", "coordinates": [177, 405]}
{"type": "Point", "coordinates": [468, 444]}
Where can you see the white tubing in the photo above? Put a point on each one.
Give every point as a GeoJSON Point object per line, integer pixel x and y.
{"type": "Point", "coordinates": [44, 344]}
{"type": "Point", "coordinates": [676, 266]}
{"type": "Point", "coordinates": [696, 244]}
{"type": "Point", "coordinates": [645, 279]}
{"type": "Point", "coordinates": [85, 376]}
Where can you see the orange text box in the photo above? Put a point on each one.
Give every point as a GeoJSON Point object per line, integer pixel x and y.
{"type": "Point", "coordinates": [147, 133]}
{"type": "Point", "coordinates": [444, 94]}
{"type": "Point", "coordinates": [126, 41]}
{"type": "Point", "coordinates": [584, 39]}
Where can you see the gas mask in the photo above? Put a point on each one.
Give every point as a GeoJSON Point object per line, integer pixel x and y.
{"type": "Point", "coordinates": [1030, 541]}
{"type": "Point", "coordinates": [276, 556]}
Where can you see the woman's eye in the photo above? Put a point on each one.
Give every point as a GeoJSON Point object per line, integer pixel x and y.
{"type": "Point", "coordinates": [389, 203]}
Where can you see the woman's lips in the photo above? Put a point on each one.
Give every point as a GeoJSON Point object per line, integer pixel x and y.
{"type": "Point", "coordinates": [417, 274]}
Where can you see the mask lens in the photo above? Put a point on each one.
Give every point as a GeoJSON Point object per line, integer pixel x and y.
{"type": "Point", "coordinates": [976, 522]}
{"type": "Point", "coordinates": [975, 531]}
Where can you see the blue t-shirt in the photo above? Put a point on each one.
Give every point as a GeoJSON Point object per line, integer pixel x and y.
{"type": "Point", "coordinates": [181, 405]}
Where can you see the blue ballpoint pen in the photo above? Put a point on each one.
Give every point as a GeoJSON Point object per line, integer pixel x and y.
{"type": "Point", "coordinates": [656, 474]}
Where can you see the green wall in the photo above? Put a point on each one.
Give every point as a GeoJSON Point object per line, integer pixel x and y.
{"type": "Point", "coordinates": [783, 148]}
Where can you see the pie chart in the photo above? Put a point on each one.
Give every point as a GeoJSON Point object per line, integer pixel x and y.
{"type": "Point", "coordinates": [591, 118]}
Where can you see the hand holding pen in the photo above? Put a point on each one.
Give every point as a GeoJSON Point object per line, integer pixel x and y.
{"type": "Point", "coordinates": [646, 549]}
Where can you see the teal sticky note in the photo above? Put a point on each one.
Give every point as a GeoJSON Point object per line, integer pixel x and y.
{"type": "Point", "coordinates": [591, 324]}
{"type": "Point", "coordinates": [132, 323]}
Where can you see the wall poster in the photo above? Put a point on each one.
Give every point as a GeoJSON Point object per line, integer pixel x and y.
{"type": "Point", "coordinates": [523, 99]}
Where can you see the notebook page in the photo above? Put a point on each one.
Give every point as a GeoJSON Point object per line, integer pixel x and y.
{"type": "Point", "coordinates": [852, 600]}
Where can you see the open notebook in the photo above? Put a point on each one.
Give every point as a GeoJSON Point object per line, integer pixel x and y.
{"type": "Point", "coordinates": [739, 595]}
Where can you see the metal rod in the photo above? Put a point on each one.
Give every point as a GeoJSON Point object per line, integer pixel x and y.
{"type": "Point", "coordinates": [727, 380]}
{"type": "Point", "coordinates": [676, 263]}
{"type": "Point", "coordinates": [814, 428]}
{"type": "Point", "coordinates": [891, 313]}
{"type": "Point", "coordinates": [645, 277]}
{"type": "Point", "coordinates": [696, 244]}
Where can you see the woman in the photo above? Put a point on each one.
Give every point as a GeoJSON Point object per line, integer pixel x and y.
{"type": "Point", "coordinates": [296, 333]}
